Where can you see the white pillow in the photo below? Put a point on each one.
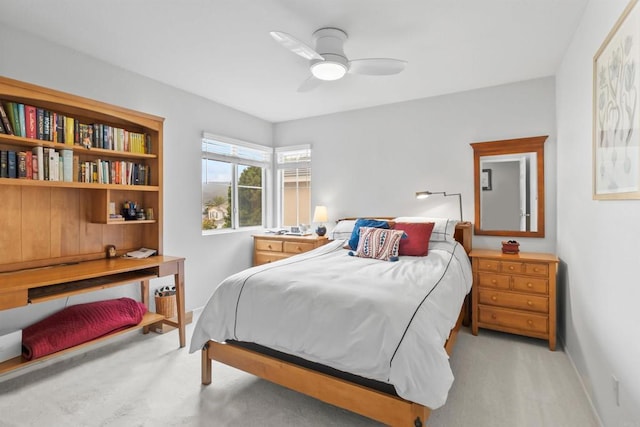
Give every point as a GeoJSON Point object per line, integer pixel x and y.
{"type": "Point", "coordinates": [443, 230]}
{"type": "Point", "coordinates": [343, 229]}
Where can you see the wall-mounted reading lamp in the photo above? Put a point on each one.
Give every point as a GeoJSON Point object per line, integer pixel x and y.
{"type": "Point", "coordinates": [425, 194]}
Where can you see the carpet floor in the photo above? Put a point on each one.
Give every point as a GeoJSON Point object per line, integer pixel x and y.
{"type": "Point", "coordinates": [145, 380]}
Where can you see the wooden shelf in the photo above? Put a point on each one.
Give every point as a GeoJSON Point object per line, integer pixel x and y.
{"type": "Point", "coordinates": [74, 184]}
{"type": "Point", "coordinates": [21, 142]}
{"type": "Point", "coordinates": [18, 362]}
{"type": "Point", "coordinates": [137, 221]}
{"type": "Point", "coordinates": [62, 290]}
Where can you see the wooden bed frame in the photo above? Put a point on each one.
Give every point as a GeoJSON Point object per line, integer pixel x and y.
{"type": "Point", "coordinates": [386, 408]}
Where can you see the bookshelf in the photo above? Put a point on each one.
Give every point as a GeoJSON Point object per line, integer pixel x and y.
{"type": "Point", "coordinates": [50, 222]}
{"type": "Point", "coordinates": [55, 231]}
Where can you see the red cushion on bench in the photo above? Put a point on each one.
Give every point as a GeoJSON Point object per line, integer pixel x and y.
{"type": "Point", "coordinates": [78, 324]}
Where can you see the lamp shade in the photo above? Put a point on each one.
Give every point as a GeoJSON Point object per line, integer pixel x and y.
{"type": "Point", "coordinates": [320, 214]}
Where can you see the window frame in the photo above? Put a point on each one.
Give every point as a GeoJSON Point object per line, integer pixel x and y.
{"type": "Point", "coordinates": [236, 157]}
{"type": "Point", "coordinates": [280, 166]}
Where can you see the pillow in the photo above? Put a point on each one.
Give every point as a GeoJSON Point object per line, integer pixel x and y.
{"type": "Point", "coordinates": [417, 241]}
{"type": "Point", "coordinates": [343, 229]}
{"type": "Point", "coordinates": [363, 222]}
{"type": "Point", "coordinates": [379, 243]}
{"type": "Point", "coordinates": [443, 230]}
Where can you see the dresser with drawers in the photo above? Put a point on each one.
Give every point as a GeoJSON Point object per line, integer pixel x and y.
{"type": "Point", "coordinates": [269, 247]}
{"type": "Point", "coordinates": [515, 293]}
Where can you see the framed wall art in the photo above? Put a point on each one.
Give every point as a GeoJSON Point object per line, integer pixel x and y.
{"type": "Point", "coordinates": [616, 110]}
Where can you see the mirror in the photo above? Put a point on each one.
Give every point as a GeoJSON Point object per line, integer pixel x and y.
{"type": "Point", "coordinates": [509, 187]}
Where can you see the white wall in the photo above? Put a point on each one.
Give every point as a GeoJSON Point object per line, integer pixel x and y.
{"type": "Point", "coordinates": [372, 161]}
{"type": "Point", "coordinates": [598, 241]}
{"type": "Point", "coordinates": [208, 258]}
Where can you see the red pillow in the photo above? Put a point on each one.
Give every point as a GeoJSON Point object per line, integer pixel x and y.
{"type": "Point", "coordinates": [417, 242]}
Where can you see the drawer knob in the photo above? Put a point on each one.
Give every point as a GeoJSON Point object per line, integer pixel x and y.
{"type": "Point", "coordinates": [494, 298]}
{"type": "Point", "coordinates": [488, 265]}
{"type": "Point", "coordinates": [494, 281]}
{"type": "Point", "coordinates": [511, 267]}
{"type": "Point", "coordinates": [299, 249]}
{"type": "Point", "coordinates": [530, 322]}
{"type": "Point", "coordinates": [269, 247]}
{"type": "Point", "coordinates": [529, 303]}
{"type": "Point", "coordinates": [493, 316]}
{"type": "Point", "coordinates": [529, 285]}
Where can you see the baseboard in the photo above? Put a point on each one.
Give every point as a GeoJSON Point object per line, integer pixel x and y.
{"type": "Point", "coordinates": [582, 384]}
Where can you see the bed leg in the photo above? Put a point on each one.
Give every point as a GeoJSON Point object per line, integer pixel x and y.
{"type": "Point", "coordinates": [206, 365]}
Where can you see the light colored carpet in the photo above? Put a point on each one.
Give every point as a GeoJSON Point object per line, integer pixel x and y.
{"type": "Point", "coordinates": [501, 380]}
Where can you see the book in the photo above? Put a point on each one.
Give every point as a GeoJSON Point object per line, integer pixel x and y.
{"type": "Point", "coordinates": [2, 127]}
{"type": "Point", "coordinates": [67, 165]}
{"type": "Point", "coordinates": [29, 164]}
{"type": "Point", "coordinates": [21, 158]}
{"type": "Point", "coordinates": [22, 120]}
{"type": "Point", "coordinates": [35, 168]}
{"type": "Point", "coordinates": [45, 163]}
{"type": "Point", "coordinates": [46, 125]}
{"type": "Point", "coordinates": [69, 126]}
{"type": "Point", "coordinates": [38, 156]}
{"type": "Point", "coordinates": [76, 168]}
{"type": "Point", "coordinates": [12, 164]}
{"type": "Point", "coordinates": [60, 130]}
{"type": "Point", "coordinates": [39, 123]}
{"type": "Point", "coordinates": [4, 165]}
{"type": "Point", "coordinates": [5, 120]}
{"type": "Point", "coordinates": [12, 113]}
{"type": "Point", "coordinates": [31, 121]}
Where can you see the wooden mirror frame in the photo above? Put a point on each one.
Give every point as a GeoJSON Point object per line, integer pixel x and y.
{"type": "Point", "coordinates": [509, 146]}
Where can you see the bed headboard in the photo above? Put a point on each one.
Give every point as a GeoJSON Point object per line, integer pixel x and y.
{"type": "Point", "coordinates": [463, 233]}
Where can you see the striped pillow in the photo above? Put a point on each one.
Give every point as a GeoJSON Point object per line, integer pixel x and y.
{"type": "Point", "coordinates": [379, 243]}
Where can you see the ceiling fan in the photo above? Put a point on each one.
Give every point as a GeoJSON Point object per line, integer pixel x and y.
{"type": "Point", "coordinates": [328, 61]}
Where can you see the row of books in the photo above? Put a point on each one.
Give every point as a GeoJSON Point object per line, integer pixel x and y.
{"type": "Point", "coordinates": [38, 123]}
{"type": "Point", "coordinates": [48, 164]}
{"type": "Point", "coordinates": [115, 172]}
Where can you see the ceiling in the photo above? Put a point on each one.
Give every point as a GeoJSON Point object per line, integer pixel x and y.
{"type": "Point", "coordinates": [221, 49]}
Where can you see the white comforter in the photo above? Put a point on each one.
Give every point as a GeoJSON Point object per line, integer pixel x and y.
{"type": "Point", "coordinates": [387, 321]}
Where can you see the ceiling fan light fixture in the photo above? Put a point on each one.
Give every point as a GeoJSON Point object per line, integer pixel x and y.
{"type": "Point", "coordinates": [328, 70]}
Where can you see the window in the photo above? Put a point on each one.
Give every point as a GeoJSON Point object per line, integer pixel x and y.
{"type": "Point", "coordinates": [294, 185]}
{"type": "Point", "coordinates": [234, 174]}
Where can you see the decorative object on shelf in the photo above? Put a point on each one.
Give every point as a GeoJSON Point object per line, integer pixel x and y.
{"type": "Point", "coordinates": [320, 215]}
{"type": "Point", "coordinates": [149, 213]}
{"type": "Point", "coordinates": [111, 251]}
{"type": "Point", "coordinates": [510, 247]}
{"type": "Point", "coordinates": [616, 136]}
{"type": "Point", "coordinates": [129, 210]}
{"type": "Point", "coordinates": [426, 193]}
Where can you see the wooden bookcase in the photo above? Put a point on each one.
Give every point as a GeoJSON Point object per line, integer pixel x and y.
{"type": "Point", "coordinates": [55, 233]}
{"type": "Point", "coordinates": [53, 222]}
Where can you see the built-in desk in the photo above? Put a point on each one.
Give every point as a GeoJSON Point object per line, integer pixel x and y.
{"type": "Point", "coordinates": [20, 288]}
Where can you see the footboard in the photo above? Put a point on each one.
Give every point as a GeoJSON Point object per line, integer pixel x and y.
{"type": "Point", "coordinates": [388, 409]}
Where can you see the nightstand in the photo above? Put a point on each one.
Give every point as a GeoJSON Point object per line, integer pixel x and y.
{"type": "Point", "coordinates": [268, 248]}
{"type": "Point", "coordinates": [514, 293]}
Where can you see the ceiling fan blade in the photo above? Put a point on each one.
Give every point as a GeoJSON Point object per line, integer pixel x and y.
{"type": "Point", "coordinates": [295, 45]}
{"type": "Point", "coordinates": [309, 84]}
{"type": "Point", "coordinates": [376, 66]}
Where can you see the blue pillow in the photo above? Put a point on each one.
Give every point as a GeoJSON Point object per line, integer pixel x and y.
{"type": "Point", "coordinates": [362, 222]}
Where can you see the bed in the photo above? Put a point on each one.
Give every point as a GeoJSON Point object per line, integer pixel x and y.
{"type": "Point", "coordinates": [367, 335]}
